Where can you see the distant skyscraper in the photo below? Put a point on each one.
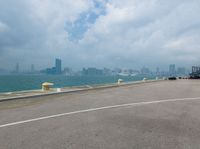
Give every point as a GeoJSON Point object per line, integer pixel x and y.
{"type": "Point", "coordinates": [67, 71]}
{"type": "Point", "coordinates": [145, 70]}
{"type": "Point", "coordinates": [195, 69]}
{"type": "Point", "coordinates": [92, 71]}
{"type": "Point", "coordinates": [157, 70]}
{"type": "Point", "coordinates": [58, 66]}
{"type": "Point", "coordinates": [172, 69]}
{"type": "Point", "coordinates": [57, 69]}
{"type": "Point", "coordinates": [32, 68]}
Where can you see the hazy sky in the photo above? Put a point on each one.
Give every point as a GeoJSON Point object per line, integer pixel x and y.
{"type": "Point", "coordinates": [110, 33]}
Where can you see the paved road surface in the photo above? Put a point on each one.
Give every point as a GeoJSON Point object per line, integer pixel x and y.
{"type": "Point", "coordinates": [159, 115]}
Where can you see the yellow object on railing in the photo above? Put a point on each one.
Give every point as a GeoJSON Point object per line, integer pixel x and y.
{"type": "Point", "coordinates": [46, 86]}
{"type": "Point", "coordinates": [120, 81]}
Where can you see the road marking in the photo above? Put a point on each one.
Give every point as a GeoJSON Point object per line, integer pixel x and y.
{"type": "Point", "coordinates": [97, 109]}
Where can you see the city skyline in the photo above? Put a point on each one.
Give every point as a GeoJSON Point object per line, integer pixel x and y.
{"type": "Point", "coordinates": [32, 67]}
{"type": "Point", "coordinates": [58, 68]}
{"type": "Point", "coordinates": [28, 67]}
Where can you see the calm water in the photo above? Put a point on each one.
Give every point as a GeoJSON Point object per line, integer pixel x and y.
{"type": "Point", "coordinates": [9, 83]}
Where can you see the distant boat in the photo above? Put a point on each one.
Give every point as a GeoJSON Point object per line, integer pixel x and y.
{"type": "Point", "coordinates": [124, 74]}
{"type": "Point", "coordinates": [134, 74]}
{"type": "Point", "coordinates": [127, 74]}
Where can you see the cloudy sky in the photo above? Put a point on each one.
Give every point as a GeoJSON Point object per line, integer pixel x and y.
{"type": "Point", "coordinates": [100, 33]}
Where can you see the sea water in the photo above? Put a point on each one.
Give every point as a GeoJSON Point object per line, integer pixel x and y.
{"type": "Point", "coordinates": [10, 83]}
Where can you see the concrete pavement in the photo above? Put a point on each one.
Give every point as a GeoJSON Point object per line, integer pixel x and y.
{"type": "Point", "coordinates": [163, 115]}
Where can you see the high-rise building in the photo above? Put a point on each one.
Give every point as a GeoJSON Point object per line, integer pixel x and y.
{"type": "Point", "coordinates": [145, 70]}
{"type": "Point", "coordinates": [67, 71]}
{"type": "Point", "coordinates": [157, 70]}
{"type": "Point", "coordinates": [195, 72]}
{"type": "Point", "coordinates": [57, 69]}
{"type": "Point", "coordinates": [58, 66]}
{"type": "Point", "coordinates": [92, 71]}
{"type": "Point", "coordinates": [195, 69]}
{"type": "Point", "coordinates": [32, 68]}
{"type": "Point", "coordinates": [172, 69]}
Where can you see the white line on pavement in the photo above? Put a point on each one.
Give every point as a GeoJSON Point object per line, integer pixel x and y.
{"type": "Point", "coordinates": [96, 109]}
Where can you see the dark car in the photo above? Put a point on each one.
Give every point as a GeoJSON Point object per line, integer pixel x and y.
{"type": "Point", "coordinates": [172, 78]}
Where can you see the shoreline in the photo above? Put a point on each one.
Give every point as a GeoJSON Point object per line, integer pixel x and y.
{"type": "Point", "coordinates": [9, 84]}
{"type": "Point", "coordinates": [6, 96]}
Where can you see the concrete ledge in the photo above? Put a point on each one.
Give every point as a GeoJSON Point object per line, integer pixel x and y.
{"type": "Point", "coordinates": [76, 90]}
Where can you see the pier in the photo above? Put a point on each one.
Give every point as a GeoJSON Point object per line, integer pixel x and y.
{"type": "Point", "coordinates": [151, 115]}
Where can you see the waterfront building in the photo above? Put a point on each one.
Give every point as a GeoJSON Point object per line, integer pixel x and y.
{"type": "Point", "coordinates": [67, 71]}
{"type": "Point", "coordinates": [57, 69]}
{"type": "Point", "coordinates": [117, 70]}
{"type": "Point", "coordinates": [157, 71]}
{"type": "Point", "coordinates": [172, 69]}
{"type": "Point", "coordinates": [195, 72]}
{"type": "Point", "coordinates": [32, 68]}
{"type": "Point", "coordinates": [195, 69]}
{"type": "Point", "coordinates": [58, 66]}
{"type": "Point", "coordinates": [107, 71]}
{"type": "Point", "coordinates": [92, 71]}
{"type": "Point", "coordinates": [145, 70]}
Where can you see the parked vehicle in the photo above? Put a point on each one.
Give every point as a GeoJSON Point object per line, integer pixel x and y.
{"type": "Point", "coordinates": [172, 78]}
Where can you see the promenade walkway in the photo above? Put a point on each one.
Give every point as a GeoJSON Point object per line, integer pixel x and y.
{"type": "Point", "coordinates": [156, 115]}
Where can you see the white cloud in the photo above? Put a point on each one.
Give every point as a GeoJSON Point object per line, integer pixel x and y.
{"type": "Point", "coordinates": [138, 32]}
{"type": "Point", "coordinates": [3, 27]}
{"type": "Point", "coordinates": [130, 32]}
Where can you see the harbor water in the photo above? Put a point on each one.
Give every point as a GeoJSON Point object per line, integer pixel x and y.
{"type": "Point", "coordinates": [10, 83]}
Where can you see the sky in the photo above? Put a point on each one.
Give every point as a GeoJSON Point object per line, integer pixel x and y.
{"type": "Point", "coordinates": [99, 33]}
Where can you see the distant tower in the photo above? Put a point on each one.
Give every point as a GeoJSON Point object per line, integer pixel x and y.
{"type": "Point", "coordinates": [17, 68]}
{"type": "Point", "coordinates": [58, 66]}
{"type": "Point", "coordinates": [157, 70]}
{"type": "Point", "coordinates": [172, 69]}
{"type": "Point", "coordinates": [32, 68]}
